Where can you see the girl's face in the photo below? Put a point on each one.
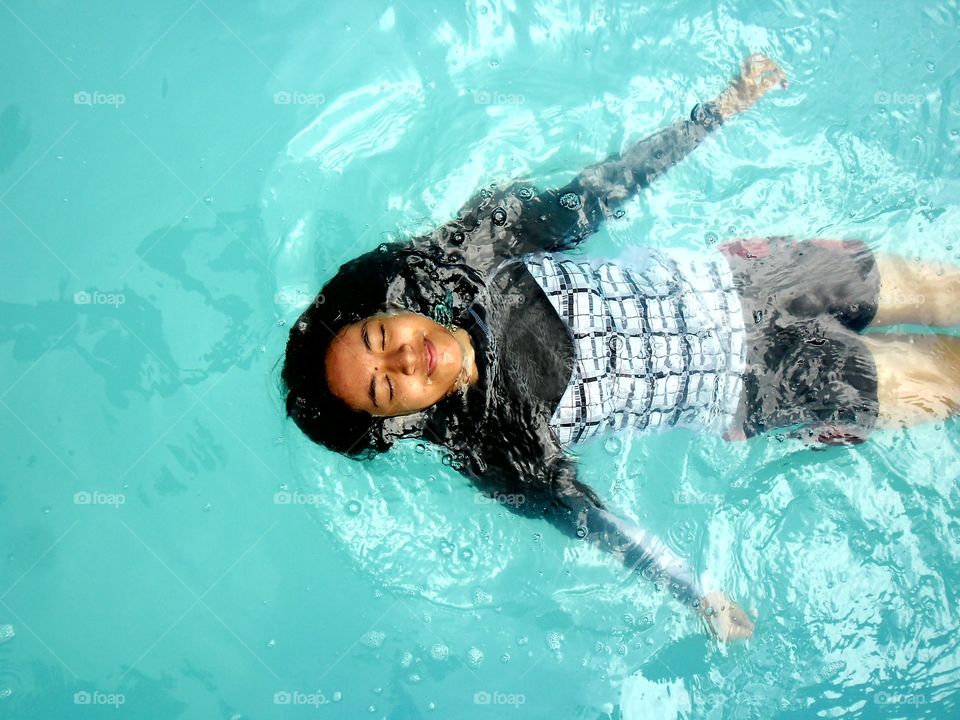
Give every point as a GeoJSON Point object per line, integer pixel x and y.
{"type": "Point", "coordinates": [393, 364]}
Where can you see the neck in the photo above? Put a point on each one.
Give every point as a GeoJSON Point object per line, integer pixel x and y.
{"type": "Point", "coordinates": [466, 343]}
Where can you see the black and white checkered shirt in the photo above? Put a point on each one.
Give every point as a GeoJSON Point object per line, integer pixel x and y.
{"type": "Point", "coordinates": [659, 341]}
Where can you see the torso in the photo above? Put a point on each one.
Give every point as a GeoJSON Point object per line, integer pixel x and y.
{"type": "Point", "coordinates": [657, 343]}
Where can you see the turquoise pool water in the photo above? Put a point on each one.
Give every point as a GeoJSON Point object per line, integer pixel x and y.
{"type": "Point", "coordinates": [176, 180]}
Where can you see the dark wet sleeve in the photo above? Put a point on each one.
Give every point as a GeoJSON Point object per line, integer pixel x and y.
{"type": "Point", "coordinates": [578, 513]}
{"type": "Point", "coordinates": [556, 495]}
{"type": "Point", "coordinates": [504, 222]}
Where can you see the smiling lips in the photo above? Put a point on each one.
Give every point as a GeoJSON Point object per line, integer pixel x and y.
{"type": "Point", "coordinates": [431, 356]}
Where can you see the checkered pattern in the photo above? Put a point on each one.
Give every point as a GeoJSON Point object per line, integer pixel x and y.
{"type": "Point", "coordinates": [659, 342]}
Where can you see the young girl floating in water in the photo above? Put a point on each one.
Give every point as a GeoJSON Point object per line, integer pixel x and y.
{"type": "Point", "coordinates": [485, 338]}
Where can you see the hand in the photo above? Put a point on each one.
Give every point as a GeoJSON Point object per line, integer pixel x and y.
{"type": "Point", "coordinates": [726, 620]}
{"type": "Point", "coordinates": [758, 75]}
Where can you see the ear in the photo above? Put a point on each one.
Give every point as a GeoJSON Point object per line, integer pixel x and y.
{"type": "Point", "coordinates": [404, 426]}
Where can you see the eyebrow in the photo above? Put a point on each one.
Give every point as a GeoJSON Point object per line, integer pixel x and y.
{"type": "Point", "coordinates": [373, 379]}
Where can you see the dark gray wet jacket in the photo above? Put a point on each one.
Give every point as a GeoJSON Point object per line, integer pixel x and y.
{"type": "Point", "coordinates": [525, 350]}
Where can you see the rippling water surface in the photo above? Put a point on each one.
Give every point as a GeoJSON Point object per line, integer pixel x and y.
{"type": "Point", "coordinates": [157, 247]}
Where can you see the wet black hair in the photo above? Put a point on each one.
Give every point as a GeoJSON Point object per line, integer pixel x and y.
{"type": "Point", "coordinates": [394, 276]}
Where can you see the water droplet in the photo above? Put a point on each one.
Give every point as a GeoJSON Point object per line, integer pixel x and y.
{"type": "Point", "coordinates": [612, 445]}
{"type": "Point", "coordinates": [494, 63]}
{"type": "Point", "coordinates": [421, 448]}
{"type": "Point", "coordinates": [373, 639]}
{"type": "Point", "coordinates": [337, 696]}
{"type": "Point", "coordinates": [525, 193]}
{"type": "Point", "coordinates": [931, 67]}
{"type": "Point", "coordinates": [46, 508]}
{"type": "Point", "coordinates": [505, 658]}
{"type": "Point", "coordinates": [382, 247]}
{"type": "Point", "coordinates": [439, 651]}
{"type": "Point", "coordinates": [711, 238]}
{"type": "Point", "coordinates": [271, 643]}
{"type": "Point", "coordinates": [353, 507]}
{"type": "Point", "coordinates": [413, 678]}
{"type": "Point", "coordinates": [581, 532]}
{"type": "Point", "coordinates": [499, 216]}
{"type": "Point", "coordinates": [619, 213]}
{"type": "Point", "coordinates": [208, 200]}
{"type": "Point", "coordinates": [757, 316]}
{"type": "Point", "coordinates": [474, 656]}
{"type": "Point", "coordinates": [571, 201]}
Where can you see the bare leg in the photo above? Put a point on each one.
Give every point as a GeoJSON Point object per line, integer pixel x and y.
{"type": "Point", "coordinates": [917, 292]}
{"type": "Point", "coordinates": [918, 377]}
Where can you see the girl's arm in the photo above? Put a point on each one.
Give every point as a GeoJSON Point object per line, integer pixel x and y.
{"type": "Point", "coordinates": [575, 509]}
{"type": "Point", "coordinates": [515, 220]}
{"type": "Point", "coordinates": [577, 513]}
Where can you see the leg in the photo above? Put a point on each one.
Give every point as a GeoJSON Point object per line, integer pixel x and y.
{"type": "Point", "coordinates": [918, 377]}
{"type": "Point", "coordinates": [917, 292]}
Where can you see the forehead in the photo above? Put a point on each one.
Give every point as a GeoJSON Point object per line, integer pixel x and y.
{"type": "Point", "coordinates": [349, 367]}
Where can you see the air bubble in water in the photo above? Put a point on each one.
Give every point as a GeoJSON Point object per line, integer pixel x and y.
{"type": "Point", "coordinates": [440, 652]}
{"type": "Point", "coordinates": [353, 507]}
{"type": "Point", "coordinates": [373, 639]}
{"type": "Point", "coordinates": [571, 201]}
{"type": "Point", "coordinates": [612, 445]}
{"type": "Point", "coordinates": [711, 238]}
{"type": "Point", "coordinates": [474, 656]}
{"type": "Point", "coordinates": [6, 633]}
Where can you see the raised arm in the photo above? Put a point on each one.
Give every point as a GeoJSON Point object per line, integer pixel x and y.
{"type": "Point", "coordinates": [518, 219]}
{"type": "Point", "coordinates": [600, 189]}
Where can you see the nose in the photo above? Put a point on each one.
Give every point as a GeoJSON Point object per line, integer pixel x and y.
{"type": "Point", "coordinates": [403, 359]}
